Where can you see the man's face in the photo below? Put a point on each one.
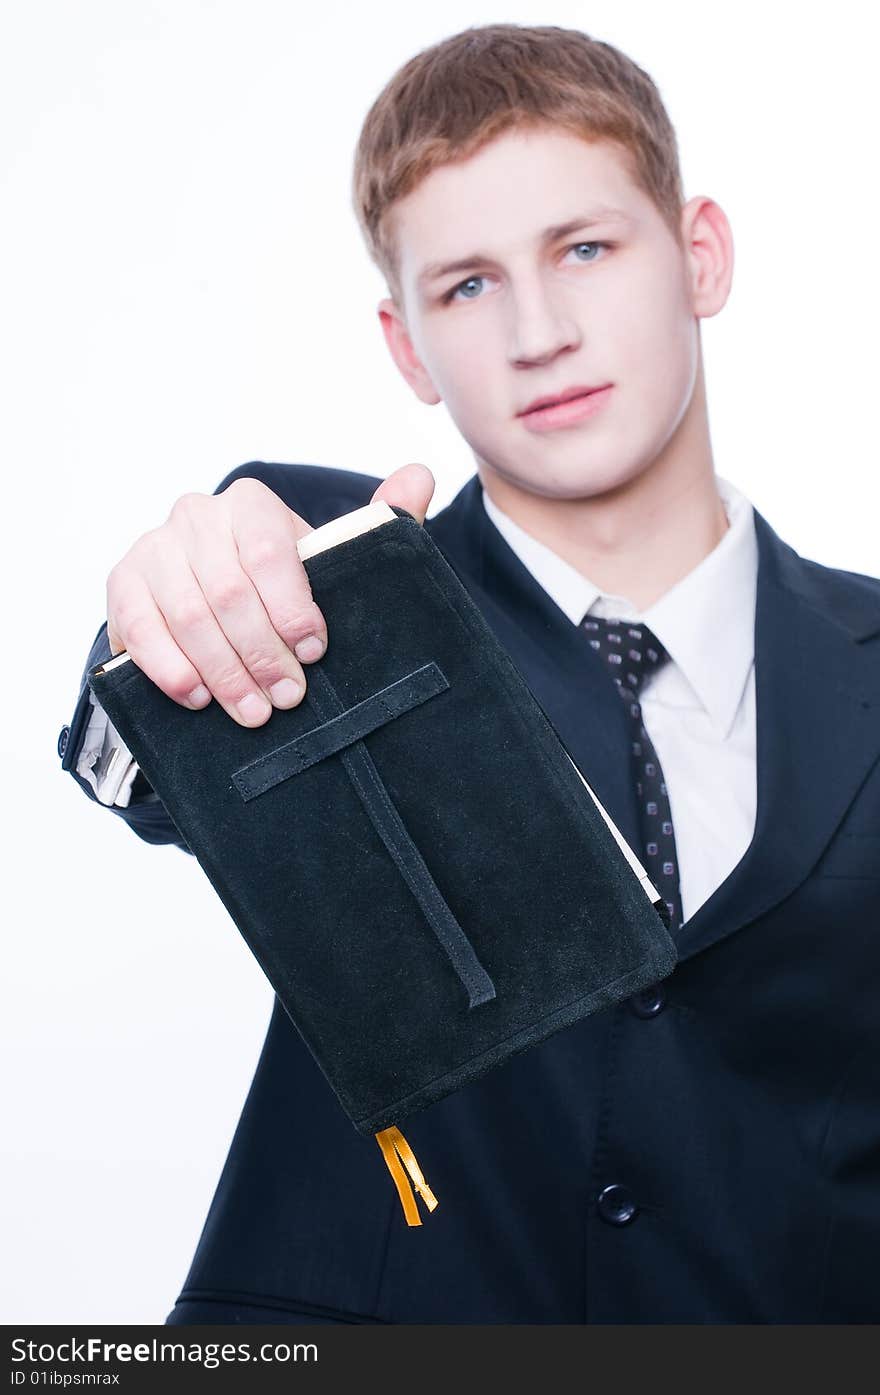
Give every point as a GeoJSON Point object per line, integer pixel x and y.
{"type": "Point", "coordinates": [566, 277]}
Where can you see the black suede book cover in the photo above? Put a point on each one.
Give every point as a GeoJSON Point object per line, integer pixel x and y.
{"type": "Point", "coordinates": [410, 853]}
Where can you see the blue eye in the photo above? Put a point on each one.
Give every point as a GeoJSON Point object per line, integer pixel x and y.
{"type": "Point", "coordinates": [578, 245]}
{"type": "Point", "coordinates": [461, 286]}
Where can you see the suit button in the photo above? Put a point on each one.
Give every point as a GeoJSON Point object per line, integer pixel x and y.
{"type": "Point", "coordinates": [649, 1002]}
{"type": "Point", "coordinates": [63, 737]}
{"type": "Point", "coordinates": [616, 1205]}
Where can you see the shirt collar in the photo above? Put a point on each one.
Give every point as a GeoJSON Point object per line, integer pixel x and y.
{"type": "Point", "coordinates": [706, 620]}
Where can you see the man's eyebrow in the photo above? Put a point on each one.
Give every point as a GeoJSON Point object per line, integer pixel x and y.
{"type": "Point", "coordinates": [434, 270]}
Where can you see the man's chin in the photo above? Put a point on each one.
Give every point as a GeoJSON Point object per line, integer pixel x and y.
{"type": "Point", "coordinates": [549, 479]}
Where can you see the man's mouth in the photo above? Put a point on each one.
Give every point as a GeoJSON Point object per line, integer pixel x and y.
{"type": "Point", "coordinates": [553, 400]}
{"type": "Point", "coordinates": [563, 409]}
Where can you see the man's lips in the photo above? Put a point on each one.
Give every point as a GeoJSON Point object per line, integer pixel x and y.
{"type": "Point", "coordinates": [566, 409]}
{"type": "Point", "coordinates": [565, 396]}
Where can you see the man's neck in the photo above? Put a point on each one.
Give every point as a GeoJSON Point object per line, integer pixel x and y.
{"type": "Point", "coordinates": [631, 544]}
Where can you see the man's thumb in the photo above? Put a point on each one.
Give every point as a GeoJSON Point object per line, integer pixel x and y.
{"type": "Point", "coordinates": [411, 488]}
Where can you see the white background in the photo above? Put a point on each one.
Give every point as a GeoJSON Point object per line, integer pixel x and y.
{"type": "Point", "coordinates": [183, 289]}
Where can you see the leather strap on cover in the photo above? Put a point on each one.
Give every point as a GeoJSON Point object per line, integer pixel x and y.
{"type": "Point", "coordinates": [343, 729]}
{"type": "Point", "coordinates": [340, 732]}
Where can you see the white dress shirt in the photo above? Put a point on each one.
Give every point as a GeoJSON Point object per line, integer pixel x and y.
{"type": "Point", "coordinates": [699, 709]}
{"type": "Point", "coordinates": [105, 760]}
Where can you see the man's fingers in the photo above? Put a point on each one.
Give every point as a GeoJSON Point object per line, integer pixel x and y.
{"type": "Point", "coordinates": [149, 642]}
{"type": "Point", "coordinates": [266, 538]}
{"type": "Point", "coordinates": [411, 488]}
{"type": "Point", "coordinates": [217, 618]}
{"type": "Point", "coordinates": [218, 599]}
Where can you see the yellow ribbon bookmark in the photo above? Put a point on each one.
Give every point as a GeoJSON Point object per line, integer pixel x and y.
{"type": "Point", "coordinates": [392, 1143]}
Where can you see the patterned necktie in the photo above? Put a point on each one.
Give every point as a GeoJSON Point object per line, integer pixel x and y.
{"type": "Point", "coordinates": [632, 653]}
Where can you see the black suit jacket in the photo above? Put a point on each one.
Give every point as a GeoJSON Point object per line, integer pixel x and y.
{"type": "Point", "coordinates": [709, 1153]}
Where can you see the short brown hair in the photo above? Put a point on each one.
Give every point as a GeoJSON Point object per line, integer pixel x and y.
{"type": "Point", "coordinates": [458, 94]}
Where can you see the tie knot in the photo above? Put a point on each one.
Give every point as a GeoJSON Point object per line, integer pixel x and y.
{"type": "Point", "coordinates": [631, 651]}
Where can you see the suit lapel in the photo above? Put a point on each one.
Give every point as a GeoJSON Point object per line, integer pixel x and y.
{"type": "Point", "coordinates": [816, 683]}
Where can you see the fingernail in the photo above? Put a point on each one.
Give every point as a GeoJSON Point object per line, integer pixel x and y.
{"type": "Point", "coordinates": [199, 696]}
{"type": "Point", "coordinates": [310, 648]}
{"type": "Point", "coordinates": [253, 708]}
{"type": "Point", "coordinates": [285, 692]}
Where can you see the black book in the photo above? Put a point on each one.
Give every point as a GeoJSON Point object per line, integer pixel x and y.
{"type": "Point", "coordinates": [411, 854]}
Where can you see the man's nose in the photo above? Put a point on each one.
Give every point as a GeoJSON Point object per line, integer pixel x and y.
{"type": "Point", "coordinates": [540, 327]}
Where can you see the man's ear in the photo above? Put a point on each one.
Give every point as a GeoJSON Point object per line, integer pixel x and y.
{"type": "Point", "coordinates": [708, 240]}
{"type": "Point", "coordinates": [400, 346]}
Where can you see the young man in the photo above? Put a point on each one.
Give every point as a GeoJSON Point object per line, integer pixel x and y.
{"type": "Point", "coordinates": [710, 1150]}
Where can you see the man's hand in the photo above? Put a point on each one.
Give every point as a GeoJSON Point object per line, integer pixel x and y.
{"type": "Point", "coordinates": [216, 601]}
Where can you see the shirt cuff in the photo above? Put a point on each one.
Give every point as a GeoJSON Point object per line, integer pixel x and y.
{"type": "Point", "coordinates": [105, 760]}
